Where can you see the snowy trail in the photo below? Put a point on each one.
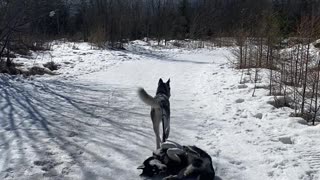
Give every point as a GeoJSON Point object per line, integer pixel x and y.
{"type": "Point", "coordinates": [93, 126]}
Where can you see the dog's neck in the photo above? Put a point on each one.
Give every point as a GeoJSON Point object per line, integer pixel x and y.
{"type": "Point", "coordinates": [162, 94]}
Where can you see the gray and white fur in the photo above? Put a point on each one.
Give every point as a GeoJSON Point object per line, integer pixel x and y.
{"type": "Point", "coordinates": [160, 109]}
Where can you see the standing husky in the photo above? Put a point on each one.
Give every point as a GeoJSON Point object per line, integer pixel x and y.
{"type": "Point", "coordinates": [160, 109]}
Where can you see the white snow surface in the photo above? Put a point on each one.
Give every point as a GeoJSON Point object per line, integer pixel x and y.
{"type": "Point", "coordinates": [88, 123]}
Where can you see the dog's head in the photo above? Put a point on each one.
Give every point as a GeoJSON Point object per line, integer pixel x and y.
{"type": "Point", "coordinates": [151, 167]}
{"type": "Point", "coordinates": [164, 87]}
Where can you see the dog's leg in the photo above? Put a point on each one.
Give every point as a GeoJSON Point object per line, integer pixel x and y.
{"type": "Point", "coordinates": [173, 154]}
{"type": "Point", "coordinates": [157, 133]}
{"type": "Point", "coordinates": [167, 129]}
{"type": "Point", "coordinates": [172, 177]}
{"type": "Point", "coordinates": [156, 123]}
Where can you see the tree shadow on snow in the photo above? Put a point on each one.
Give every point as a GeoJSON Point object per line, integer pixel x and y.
{"type": "Point", "coordinates": [66, 127]}
{"type": "Point", "coordinates": [163, 57]}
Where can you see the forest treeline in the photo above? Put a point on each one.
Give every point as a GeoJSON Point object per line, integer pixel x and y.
{"type": "Point", "coordinates": [115, 21]}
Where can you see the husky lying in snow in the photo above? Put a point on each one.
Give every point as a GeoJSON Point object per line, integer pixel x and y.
{"type": "Point", "coordinates": [160, 109]}
{"type": "Point", "coordinates": [179, 162]}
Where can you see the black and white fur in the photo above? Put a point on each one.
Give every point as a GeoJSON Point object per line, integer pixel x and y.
{"type": "Point", "coordinates": [176, 162]}
{"type": "Point", "coordinates": [160, 109]}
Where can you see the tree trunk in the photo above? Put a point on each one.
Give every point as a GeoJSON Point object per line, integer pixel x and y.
{"type": "Point", "coordinates": [305, 78]}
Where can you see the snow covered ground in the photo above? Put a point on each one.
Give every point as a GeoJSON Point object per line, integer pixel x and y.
{"type": "Point", "coordinates": [88, 123]}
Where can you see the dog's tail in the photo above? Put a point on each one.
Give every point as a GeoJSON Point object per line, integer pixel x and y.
{"type": "Point", "coordinates": [146, 98]}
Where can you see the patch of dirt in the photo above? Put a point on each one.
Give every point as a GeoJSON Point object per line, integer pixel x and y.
{"type": "Point", "coordinates": [281, 101]}
{"type": "Point", "coordinates": [47, 165]}
{"type": "Point", "coordinates": [37, 71]}
{"type": "Point", "coordinates": [286, 140]}
{"type": "Point", "coordinates": [52, 66]}
{"type": "Point", "coordinates": [239, 100]}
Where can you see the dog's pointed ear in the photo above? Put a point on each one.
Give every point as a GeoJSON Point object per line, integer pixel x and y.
{"type": "Point", "coordinates": [160, 81]}
{"type": "Point", "coordinates": [168, 82]}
